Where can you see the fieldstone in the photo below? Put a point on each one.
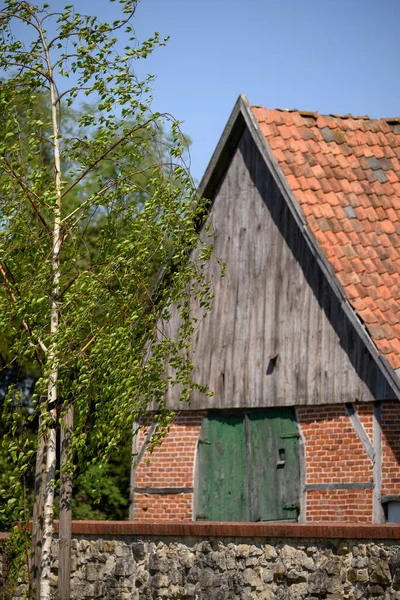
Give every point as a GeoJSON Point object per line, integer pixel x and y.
{"type": "Point", "coordinates": [123, 550]}
{"type": "Point", "coordinates": [251, 577]}
{"type": "Point", "coordinates": [208, 579]}
{"type": "Point", "coordinates": [269, 552]}
{"type": "Point", "coordinates": [268, 575]}
{"type": "Point", "coordinates": [379, 571]}
{"type": "Point", "coordinates": [98, 589]}
{"type": "Point", "coordinates": [359, 562]}
{"type": "Point", "coordinates": [159, 580]}
{"type": "Point", "coordinates": [219, 559]}
{"type": "Point", "coordinates": [194, 575]}
{"type": "Point", "coordinates": [376, 590]}
{"type": "Point", "coordinates": [266, 595]}
{"type": "Point", "coordinates": [359, 550]}
{"type": "Point", "coordinates": [252, 561]}
{"type": "Point", "coordinates": [294, 575]}
{"type": "Point", "coordinates": [124, 567]}
{"type": "Point", "coordinates": [230, 560]}
{"type": "Point", "coordinates": [185, 557]}
{"type": "Point", "coordinates": [92, 572]}
{"type": "Point", "coordinates": [394, 564]}
{"type": "Point", "coordinates": [138, 550]}
{"type": "Point", "coordinates": [242, 550]}
{"type": "Point", "coordinates": [326, 579]}
{"type": "Point", "coordinates": [83, 590]}
{"type": "Point", "coordinates": [297, 591]}
{"type": "Point", "coordinates": [362, 575]}
{"type": "Point", "coordinates": [158, 563]}
{"type": "Point", "coordinates": [109, 546]}
{"type": "Point", "coordinates": [255, 551]}
{"type": "Point", "coordinates": [279, 572]}
{"type": "Point", "coordinates": [84, 545]}
{"type": "Point", "coordinates": [204, 547]}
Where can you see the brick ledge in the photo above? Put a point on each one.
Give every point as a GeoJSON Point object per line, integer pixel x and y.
{"type": "Point", "coordinates": [224, 529]}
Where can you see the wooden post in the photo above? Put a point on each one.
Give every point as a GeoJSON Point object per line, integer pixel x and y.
{"type": "Point", "coordinates": [135, 431]}
{"type": "Point", "coordinates": [377, 511]}
{"type": "Point", "coordinates": [65, 533]}
{"type": "Point", "coordinates": [302, 467]}
{"type": "Point", "coordinates": [37, 520]}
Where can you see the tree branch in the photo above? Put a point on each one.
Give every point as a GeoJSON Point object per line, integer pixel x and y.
{"type": "Point", "coordinates": [27, 192]}
{"type": "Point", "coordinates": [24, 321]}
{"type": "Point", "coordinates": [102, 157]}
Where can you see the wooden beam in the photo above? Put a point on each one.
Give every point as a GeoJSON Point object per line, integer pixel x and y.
{"type": "Point", "coordinates": [135, 431]}
{"type": "Point", "coordinates": [360, 431]}
{"type": "Point", "coordinates": [352, 485]}
{"type": "Point", "coordinates": [377, 510]}
{"type": "Point", "coordinates": [164, 490]}
{"type": "Point", "coordinates": [303, 472]}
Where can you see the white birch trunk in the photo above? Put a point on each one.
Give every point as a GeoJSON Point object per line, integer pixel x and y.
{"type": "Point", "coordinates": [52, 356]}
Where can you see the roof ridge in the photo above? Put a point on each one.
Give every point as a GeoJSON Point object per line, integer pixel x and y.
{"type": "Point", "coordinates": [315, 114]}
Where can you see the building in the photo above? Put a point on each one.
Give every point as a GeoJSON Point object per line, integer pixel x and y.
{"type": "Point", "coordinates": [302, 347]}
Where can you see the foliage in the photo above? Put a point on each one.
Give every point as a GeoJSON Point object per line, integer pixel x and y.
{"type": "Point", "coordinates": [85, 214]}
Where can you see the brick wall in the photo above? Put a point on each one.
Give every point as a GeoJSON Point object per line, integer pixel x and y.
{"type": "Point", "coordinates": [348, 506]}
{"type": "Point", "coordinates": [334, 454]}
{"type": "Point", "coordinates": [170, 466]}
{"type": "Point", "coordinates": [391, 448]}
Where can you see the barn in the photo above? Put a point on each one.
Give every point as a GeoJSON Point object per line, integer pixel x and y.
{"type": "Point", "coordinates": [302, 347]}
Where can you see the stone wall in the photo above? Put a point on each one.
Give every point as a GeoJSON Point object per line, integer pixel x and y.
{"type": "Point", "coordinates": [231, 567]}
{"type": "Point", "coordinates": [3, 565]}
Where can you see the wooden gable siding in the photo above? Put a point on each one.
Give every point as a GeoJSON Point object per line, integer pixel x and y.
{"type": "Point", "coordinates": [277, 334]}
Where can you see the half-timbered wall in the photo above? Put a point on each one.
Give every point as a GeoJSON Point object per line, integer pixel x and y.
{"type": "Point", "coordinates": [338, 474]}
{"type": "Point", "coordinates": [277, 334]}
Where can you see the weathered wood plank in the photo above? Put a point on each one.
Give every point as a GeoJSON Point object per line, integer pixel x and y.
{"type": "Point", "coordinates": [274, 303]}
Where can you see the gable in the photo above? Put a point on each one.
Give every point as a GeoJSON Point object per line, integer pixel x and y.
{"type": "Point", "coordinates": [277, 334]}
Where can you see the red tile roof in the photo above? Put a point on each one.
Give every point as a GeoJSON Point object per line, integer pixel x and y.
{"type": "Point", "coordinates": [344, 172]}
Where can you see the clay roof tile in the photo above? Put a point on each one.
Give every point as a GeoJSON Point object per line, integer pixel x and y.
{"type": "Point", "coordinates": [345, 174]}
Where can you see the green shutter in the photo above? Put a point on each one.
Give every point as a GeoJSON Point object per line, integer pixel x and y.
{"type": "Point", "coordinates": [248, 466]}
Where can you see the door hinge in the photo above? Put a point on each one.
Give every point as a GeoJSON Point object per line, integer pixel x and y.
{"type": "Point", "coordinates": [205, 442]}
{"type": "Point", "coordinates": [289, 435]}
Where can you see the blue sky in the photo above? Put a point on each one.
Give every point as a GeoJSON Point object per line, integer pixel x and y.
{"type": "Point", "coordinates": [335, 56]}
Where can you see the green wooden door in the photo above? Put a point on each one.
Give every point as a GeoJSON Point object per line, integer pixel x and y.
{"type": "Point", "coordinates": [273, 465]}
{"type": "Point", "coordinates": [222, 465]}
{"type": "Point", "coordinates": [248, 466]}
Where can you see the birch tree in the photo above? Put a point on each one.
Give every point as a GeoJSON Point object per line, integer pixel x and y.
{"type": "Point", "coordinates": [79, 305]}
